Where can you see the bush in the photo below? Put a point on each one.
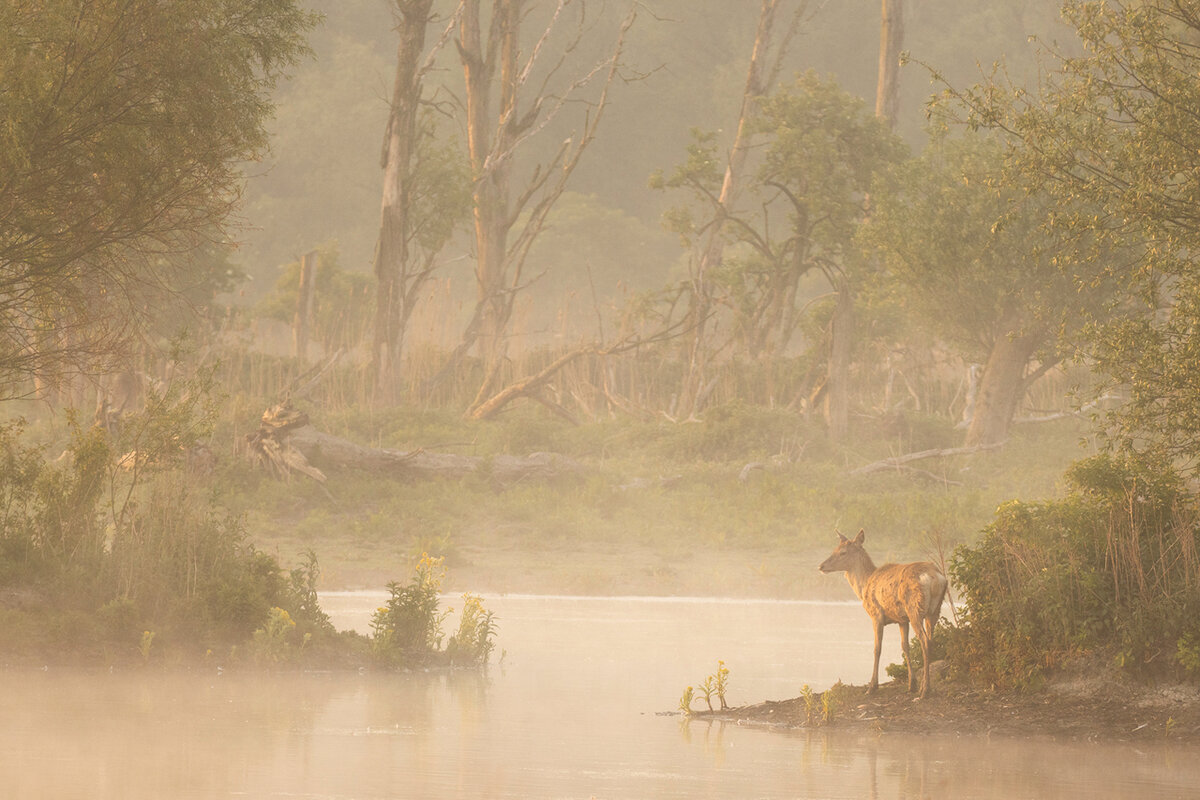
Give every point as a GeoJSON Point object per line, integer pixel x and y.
{"type": "Point", "coordinates": [407, 632]}
{"type": "Point", "coordinates": [109, 556]}
{"type": "Point", "coordinates": [1111, 569]}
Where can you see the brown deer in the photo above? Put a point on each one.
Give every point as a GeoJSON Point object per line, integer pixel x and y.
{"type": "Point", "coordinates": [894, 593]}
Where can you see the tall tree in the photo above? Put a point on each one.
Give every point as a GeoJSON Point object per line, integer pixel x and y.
{"type": "Point", "coordinates": [423, 195]}
{"type": "Point", "coordinates": [977, 262]}
{"type": "Point", "coordinates": [125, 127]}
{"type": "Point", "coordinates": [1112, 135]}
{"type": "Point", "coordinates": [510, 213]}
{"type": "Point", "coordinates": [717, 192]}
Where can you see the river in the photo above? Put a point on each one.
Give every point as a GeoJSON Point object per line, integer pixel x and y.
{"type": "Point", "coordinates": [572, 706]}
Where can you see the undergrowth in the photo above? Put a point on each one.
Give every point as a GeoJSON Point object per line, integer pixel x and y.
{"type": "Point", "coordinates": [1111, 570]}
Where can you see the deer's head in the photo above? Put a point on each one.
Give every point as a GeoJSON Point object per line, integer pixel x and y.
{"type": "Point", "coordinates": [847, 554]}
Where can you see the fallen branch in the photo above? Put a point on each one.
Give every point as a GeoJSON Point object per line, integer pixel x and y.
{"type": "Point", "coordinates": [898, 461]}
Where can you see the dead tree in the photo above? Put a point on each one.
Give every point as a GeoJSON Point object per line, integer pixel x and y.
{"type": "Point", "coordinates": [493, 64]}
{"type": "Point", "coordinates": [399, 271]}
{"type": "Point", "coordinates": [765, 62]}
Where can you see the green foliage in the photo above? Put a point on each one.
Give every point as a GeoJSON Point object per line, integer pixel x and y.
{"type": "Point", "coordinates": [831, 702]}
{"type": "Point", "coordinates": [126, 128]}
{"type": "Point", "coordinates": [811, 716]}
{"type": "Point", "coordinates": [1106, 133]}
{"type": "Point", "coordinates": [274, 642]}
{"type": "Point", "coordinates": [707, 689]}
{"type": "Point", "coordinates": [968, 253]}
{"type": "Point", "coordinates": [722, 683]}
{"type": "Point", "coordinates": [1110, 569]}
{"type": "Point", "coordinates": [408, 630]}
{"type": "Point", "coordinates": [125, 554]}
{"type": "Point", "coordinates": [338, 300]}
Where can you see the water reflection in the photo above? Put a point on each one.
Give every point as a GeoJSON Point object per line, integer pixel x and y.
{"type": "Point", "coordinates": [569, 712]}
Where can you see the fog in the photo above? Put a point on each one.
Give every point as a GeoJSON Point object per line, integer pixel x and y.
{"type": "Point", "coordinates": [611, 368]}
{"type": "Point", "coordinates": [576, 707]}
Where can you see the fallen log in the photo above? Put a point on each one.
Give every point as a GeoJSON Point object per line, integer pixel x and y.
{"type": "Point", "coordinates": [333, 452]}
{"type": "Point", "coordinates": [896, 462]}
{"type": "Point", "coordinates": [286, 443]}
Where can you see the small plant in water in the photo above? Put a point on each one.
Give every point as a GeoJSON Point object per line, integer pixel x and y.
{"type": "Point", "coordinates": [270, 643]}
{"type": "Point", "coordinates": [408, 630]}
{"type": "Point", "coordinates": [810, 705]}
{"type": "Point", "coordinates": [685, 702]}
{"type": "Point", "coordinates": [722, 683]}
{"type": "Point", "coordinates": [831, 701]}
{"type": "Point", "coordinates": [707, 689]}
{"type": "Point", "coordinates": [146, 643]}
{"type": "Point", "coordinates": [472, 643]}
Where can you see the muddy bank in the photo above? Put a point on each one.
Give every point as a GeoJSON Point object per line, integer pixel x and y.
{"type": "Point", "coordinates": [1100, 708]}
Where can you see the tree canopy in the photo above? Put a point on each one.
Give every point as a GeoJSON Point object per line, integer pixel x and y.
{"type": "Point", "coordinates": [1112, 136]}
{"type": "Point", "coordinates": [125, 127]}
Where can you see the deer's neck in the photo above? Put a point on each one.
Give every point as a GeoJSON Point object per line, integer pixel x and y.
{"type": "Point", "coordinates": [859, 573]}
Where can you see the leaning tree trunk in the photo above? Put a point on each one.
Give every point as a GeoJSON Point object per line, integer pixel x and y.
{"type": "Point", "coordinates": [713, 249]}
{"type": "Point", "coordinates": [1001, 389]}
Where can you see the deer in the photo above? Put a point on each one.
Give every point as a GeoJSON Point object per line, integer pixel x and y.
{"type": "Point", "coordinates": [900, 594]}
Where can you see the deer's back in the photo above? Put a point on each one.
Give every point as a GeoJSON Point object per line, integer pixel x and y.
{"type": "Point", "coordinates": [905, 592]}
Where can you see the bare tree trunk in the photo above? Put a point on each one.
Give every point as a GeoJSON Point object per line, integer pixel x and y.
{"type": "Point", "coordinates": [492, 176]}
{"type": "Point", "coordinates": [305, 302]}
{"type": "Point", "coordinates": [392, 253]}
{"type": "Point", "coordinates": [891, 41]}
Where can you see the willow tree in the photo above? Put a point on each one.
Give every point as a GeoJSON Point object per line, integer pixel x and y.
{"type": "Point", "coordinates": [976, 260]}
{"type": "Point", "coordinates": [510, 99]}
{"type": "Point", "coordinates": [126, 125]}
{"type": "Point", "coordinates": [1112, 135]}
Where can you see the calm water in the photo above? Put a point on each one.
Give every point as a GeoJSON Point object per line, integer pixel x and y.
{"type": "Point", "coordinates": [567, 710]}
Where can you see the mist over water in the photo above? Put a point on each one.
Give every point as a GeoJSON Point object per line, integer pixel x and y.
{"type": "Point", "coordinates": [570, 707]}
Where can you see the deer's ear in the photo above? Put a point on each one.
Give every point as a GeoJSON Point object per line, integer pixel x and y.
{"type": "Point", "coordinates": [840, 537]}
{"type": "Point", "coordinates": [861, 536]}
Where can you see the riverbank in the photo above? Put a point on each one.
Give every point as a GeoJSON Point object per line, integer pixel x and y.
{"type": "Point", "coordinates": [1097, 708]}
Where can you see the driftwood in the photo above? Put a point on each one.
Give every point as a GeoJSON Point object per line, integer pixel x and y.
{"type": "Point", "coordinates": [271, 444]}
{"type": "Point", "coordinates": [897, 462]}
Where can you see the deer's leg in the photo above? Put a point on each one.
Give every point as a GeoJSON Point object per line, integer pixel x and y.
{"type": "Point", "coordinates": [924, 636]}
{"type": "Point", "coordinates": [878, 649]}
{"type": "Point", "coordinates": [904, 647]}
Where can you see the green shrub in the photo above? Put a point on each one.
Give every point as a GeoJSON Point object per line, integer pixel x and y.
{"type": "Point", "coordinates": [408, 630]}
{"type": "Point", "coordinates": [1111, 569]}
